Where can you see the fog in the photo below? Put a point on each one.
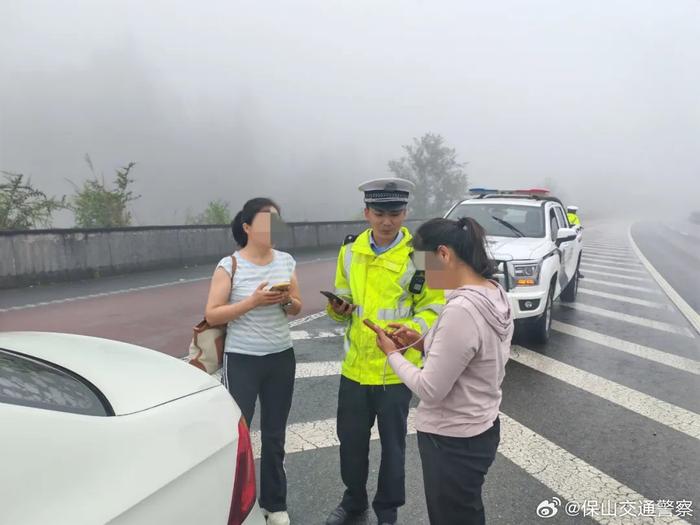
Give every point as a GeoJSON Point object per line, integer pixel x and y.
{"type": "Point", "coordinates": [303, 100]}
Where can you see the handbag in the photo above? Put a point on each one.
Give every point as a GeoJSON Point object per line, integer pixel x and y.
{"type": "Point", "coordinates": [207, 345]}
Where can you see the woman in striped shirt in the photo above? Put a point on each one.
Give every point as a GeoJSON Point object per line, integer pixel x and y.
{"type": "Point", "coordinates": [259, 358]}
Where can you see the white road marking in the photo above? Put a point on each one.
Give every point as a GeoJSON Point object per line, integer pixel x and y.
{"type": "Point", "coordinates": [609, 267]}
{"type": "Point", "coordinates": [318, 369]}
{"type": "Point", "coordinates": [566, 474]}
{"type": "Point", "coordinates": [619, 275]}
{"type": "Point", "coordinates": [687, 310]}
{"type": "Point", "coordinates": [672, 416]}
{"type": "Point", "coordinates": [637, 350]}
{"type": "Point", "coordinates": [102, 294]}
{"type": "Point", "coordinates": [303, 334]}
{"type": "Point", "coordinates": [562, 472]}
{"type": "Point", "coordinates": [609, 253]}
{"type": "Point", "coordinates": [307, 319]}
{"type": "Point", "coordinates": [605, 245]}
{"type": "Point", "coordinates": [304, 370]}
{"type": "Point", "coordinates": [621, 247]}
{"type": "Point", "coordinates": [128, 290]}
{"type": "Point", "coordinates": [623, 298]}
{"type": "Point", "coordinates": [633, 319]}
{"type": "Point", "coordinates": [621, 285]}
{"type": "Point", "coordinates": [622, 261]}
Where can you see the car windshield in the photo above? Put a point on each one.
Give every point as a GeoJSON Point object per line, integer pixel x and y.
{"type": "Point", "coordinates": [503, 220]}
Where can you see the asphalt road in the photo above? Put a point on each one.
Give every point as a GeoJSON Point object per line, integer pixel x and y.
{"type": "Point", "coordinates": [606, 415]}
{"type": "Point", "coordinates": [674, 250]}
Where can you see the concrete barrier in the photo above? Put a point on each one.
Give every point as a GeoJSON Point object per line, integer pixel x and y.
{"type": "Point", "coordinates": [42, 256]}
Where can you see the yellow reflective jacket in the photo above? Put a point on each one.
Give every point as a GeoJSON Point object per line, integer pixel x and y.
{"type": "Point", "coordinates": [379, 286]}
{"type": "Point", "coordinates": [573, 219]}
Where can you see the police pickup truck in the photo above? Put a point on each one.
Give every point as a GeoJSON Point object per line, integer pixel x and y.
{"type": "Point", "coordinates": [534, 248]}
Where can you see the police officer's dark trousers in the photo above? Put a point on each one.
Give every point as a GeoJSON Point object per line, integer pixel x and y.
{"type": "Point", "coordinates": [358, 408]}
{"type": "Point", "coordinates": [453, 474]}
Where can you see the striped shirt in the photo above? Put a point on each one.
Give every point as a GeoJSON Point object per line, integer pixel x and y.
{"type": "Point", "coordinates": [265, 329]}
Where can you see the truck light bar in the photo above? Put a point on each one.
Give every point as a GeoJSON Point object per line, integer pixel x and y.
{"type": "Point", "coordinates": [487, 191]}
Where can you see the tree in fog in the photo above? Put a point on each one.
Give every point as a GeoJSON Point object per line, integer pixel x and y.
{"type": "Point", "coordinates": [22, 206]}
{"type": "Point", "coordinates": [97, 206]}
{"type": "Point", "coordinates": [439, 178]}
{"type": "Point", "coordinates": [217, 212]}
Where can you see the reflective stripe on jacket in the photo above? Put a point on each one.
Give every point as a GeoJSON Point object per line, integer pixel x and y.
{"type": "Point", "coordinates": [378, 285]}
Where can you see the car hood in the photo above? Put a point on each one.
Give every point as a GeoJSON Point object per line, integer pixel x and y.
{"type": "Point", "coordinates": [131, 377]}
{"type": "Point", "coordinates": [516, 248]}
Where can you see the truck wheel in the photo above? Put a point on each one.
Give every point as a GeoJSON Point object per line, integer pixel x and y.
{"type": "Point", "coordinates": [568, 295]}
{"type": "Point", "coordinates": [541, 328]}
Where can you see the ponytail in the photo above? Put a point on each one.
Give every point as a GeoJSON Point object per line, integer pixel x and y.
{"type": "Point", "coordinates": [246, 216]}
{"type": "Point", "coordinates": [465, 236]}
{"type": "Point", "coordinates": [239, 234]}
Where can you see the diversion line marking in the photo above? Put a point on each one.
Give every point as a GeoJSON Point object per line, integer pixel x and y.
{"type": "Point", "coordinates": [645, 352]}
{"type": "Point", "coordinates": [619, 276]}
{"type": "Point", "coordinates": [667, 414]}
{"type": "Point", "coordinates": [622, 285]}
{"type": "Point", "coordinates": [609, 267]}
{"type": "Point", "coordinates": [623, 298]}
{"type": "Point", "coordinates": [634, 319]}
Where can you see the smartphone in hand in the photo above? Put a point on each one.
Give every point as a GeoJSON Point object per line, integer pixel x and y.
{"type": "Point", "coordinates": [332, 297]}
{"type": "Point", "coordinates": [377, 330]}
{"type": "Point", "coordinates": [280, 287]}
{"type": "Point", "coordinates": [372, 326]}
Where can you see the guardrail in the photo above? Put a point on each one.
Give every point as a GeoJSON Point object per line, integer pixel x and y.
{"type": "Point", "coordinates": [41, 256]}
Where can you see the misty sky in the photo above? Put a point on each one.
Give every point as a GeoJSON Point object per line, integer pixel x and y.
{"type": "Point", "coordinates": [303, 100]}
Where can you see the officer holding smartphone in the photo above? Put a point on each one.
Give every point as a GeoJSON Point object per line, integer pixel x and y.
{"type": "Point", "coordinates": [377, 280]}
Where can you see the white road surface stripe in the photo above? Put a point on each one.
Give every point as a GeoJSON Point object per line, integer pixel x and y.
{"type": "Point", "coordinates": [622, 285]}
{"type": "Point", "coordinates": [609, 267]}
{"type": "Point", "coordinates": [305, 370]}
{"type": "Point", "coordinates": [135, 289]}
{"type": "Point", "coordinates": [645, 405]}
{"type": "Point", "coordinates": [318, 369]}
{"type": "Point", "coordinates": [622, 241]}
{"type": "Point", "coordinates": [623, 298]}
{"type": "Point", "coordinates": [637, 350]}
{"type": "Point", "coordinates": [566, 474]}
{"type": "Point", "coordinates": [103, 294]}
{"type": "Point", "coordinates": [307, 319]}
{"type": "Point", "coordinates": [604, 246]}
{"type": "Point", "coordinates": [562, 472]}
{"type": "Point", "coordinates": [641, 321]}
{"type": "Point", "coordinates": [603, 249]}
{"type": "Point", "coordinates": [621, 265]}
{"type": "Point", "coordinates": [687, 310]}
{"type": "Point", "coordinates": [303, 334]}
{"type": "Point", "coordinates": [622, 261]}
{"type": "Point", "coordinates": [619, 276]}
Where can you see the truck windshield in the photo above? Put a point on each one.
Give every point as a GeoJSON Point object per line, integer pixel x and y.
{"type": "Point", "coordinates": [503, 220]}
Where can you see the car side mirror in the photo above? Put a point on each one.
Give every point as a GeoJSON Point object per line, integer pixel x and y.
{"type": "Point", "coordinates": [565, 235]}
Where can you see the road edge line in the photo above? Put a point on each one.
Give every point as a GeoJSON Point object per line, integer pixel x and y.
{"type": "Point", "coordinates": [688, 312]}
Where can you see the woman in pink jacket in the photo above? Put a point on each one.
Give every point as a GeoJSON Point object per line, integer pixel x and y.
{"type": "Point", "coordinates": [465, 357]}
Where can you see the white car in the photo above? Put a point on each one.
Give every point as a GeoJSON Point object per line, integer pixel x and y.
{"type": "Point", "coordinates": [97, 431]}
{"type": "Point", "coordinates": [536, 252]}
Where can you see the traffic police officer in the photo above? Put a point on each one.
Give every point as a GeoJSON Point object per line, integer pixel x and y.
{"type": "Point", "coordinates": [377, 280]}
{"type": "Point", "coordinates": [572, 215]}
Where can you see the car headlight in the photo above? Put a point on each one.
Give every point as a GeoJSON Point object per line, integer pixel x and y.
{"type": "Point", "coordinates": [526, 274]}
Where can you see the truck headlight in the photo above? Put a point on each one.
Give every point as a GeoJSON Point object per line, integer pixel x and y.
{"type": "Point", "coordinates": [526, 274]}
